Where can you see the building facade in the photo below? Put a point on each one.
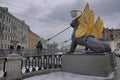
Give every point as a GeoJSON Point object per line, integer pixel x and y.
{"type": "Point", "coordinates": [33, 40]}
{"type": "Point", "coordinates": [112, 36]}
{"type": "Point", "coordinates": [13, 32]}
{"type": "Point", "coordinates": [52, 48]}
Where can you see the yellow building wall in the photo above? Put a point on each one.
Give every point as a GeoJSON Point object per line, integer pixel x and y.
{"type": "Point", "coordinates": [33, 40]}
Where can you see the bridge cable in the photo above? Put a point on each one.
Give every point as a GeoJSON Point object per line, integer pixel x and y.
{"type": "Point", "coordinates": [58, 34]}
{"type": "Point", "coordinates": [64, 42]}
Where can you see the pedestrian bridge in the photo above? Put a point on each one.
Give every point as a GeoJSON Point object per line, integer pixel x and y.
{"type": "Point", "coordinates": [16, 67]}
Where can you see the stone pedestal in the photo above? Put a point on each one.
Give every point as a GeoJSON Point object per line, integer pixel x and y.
{"type": "Point", "coordinates": [88, 64]}
{"type": "Point", "coordinates": [113, 61]}
{"type": "Point", "coordinates": [13, 67]}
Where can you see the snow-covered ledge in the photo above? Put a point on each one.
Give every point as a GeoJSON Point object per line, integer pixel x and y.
{"type": "Point", "coordinates": [89, 64]}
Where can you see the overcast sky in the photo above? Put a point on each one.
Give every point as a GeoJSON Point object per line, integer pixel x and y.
{"type": "Point", "coordinates": [48, 17]}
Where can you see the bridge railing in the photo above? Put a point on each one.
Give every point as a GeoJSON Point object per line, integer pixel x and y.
{"type": "Point", "coordinates": [41, 62]}
{"type": "Point", "coordinates": [30, 64]}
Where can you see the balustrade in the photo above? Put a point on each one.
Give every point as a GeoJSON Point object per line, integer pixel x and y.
{"type": "Point", "coordinates": [42, 62]}
{"type": "Point", "coordinates": [37, 63]}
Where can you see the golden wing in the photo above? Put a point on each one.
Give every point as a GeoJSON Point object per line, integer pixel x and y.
{"type": "Point", "coordinates": [99, 36]}
{"type": "Point", "coordinates": [91, 23]}
{"type": "Point", "coordinates": [97, 28]}
{"type": "Point", "coordinates": [83, 21]}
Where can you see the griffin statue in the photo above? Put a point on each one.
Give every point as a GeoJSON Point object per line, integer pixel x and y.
{"type": "Point", "coordinates": [86, 32]}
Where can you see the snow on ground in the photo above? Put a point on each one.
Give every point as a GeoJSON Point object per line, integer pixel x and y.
{"type": "Point", "coordinates": [1, 73]}
{"type": "Point", "coordinates": [64, 76]}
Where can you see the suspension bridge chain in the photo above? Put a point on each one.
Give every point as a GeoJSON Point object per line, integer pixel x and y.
{"type": "Point", "coordinates": [64, 42]}
{"type": "Point", "coordinates": [58, 34]}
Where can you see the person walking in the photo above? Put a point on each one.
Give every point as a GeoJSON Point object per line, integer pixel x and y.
{"type": "Point", "coordinates": [39, 47]}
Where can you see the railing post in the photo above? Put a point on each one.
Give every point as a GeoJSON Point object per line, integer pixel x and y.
{"type": "Point", "coordinates": [45, 61]}
{"type": "Point", "coordinates": [27, 64]}
{"type": "Point", "coordinates": [42, 65]}
{"type": "Point", "coordinates": [34, 63]}
{"type": "Point", "coordinates": [39, 63]}
{"type": "Point", "coordinates": [55, 61]}
{"type": "Point", "coordinates": [50, 61]}
{"type": "Point", "coordinates": [60, 61]}
{"type": "Point", "coordinates": [13, 67]}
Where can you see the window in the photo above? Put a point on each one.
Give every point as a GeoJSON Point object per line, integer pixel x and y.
{"type": "Point", "coordinates": [12, 21]}
{"type": "Point", "coordinates": [3, 16]}
{"type": "Point", "coordinates": [0, 15]}
{"type": "Point", "coordinates": [119, 32]}
{"type": "Point", "coordinates": [0, 26]}
{"type": "Point", "coordinates": [5, 46]}
{"type": "Point", "coordinates": [8, 46]}
{"type": "Point", "coordinates": [3, 36]}
{"type": "Point", "coordinates": [3, 27]}
{"type": "Point", "coordinates": [7, 19]}
{"type": "Point", "coordinates": [7, 37]}
{"type": "Point", "coordinates": [9, 29]}
{"type": "Point", "coordinates": [6, 28]}
{"type": "Point", "coordinates": [2, 46]}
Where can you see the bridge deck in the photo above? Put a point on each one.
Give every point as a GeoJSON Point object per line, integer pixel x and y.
{"type": "Point", "coordinates": [66, 75]}
{"type": "Point", "coordinates": [71, 76]}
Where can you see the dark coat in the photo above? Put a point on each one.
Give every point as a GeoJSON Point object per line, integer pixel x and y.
{"type": "Point", "coordinates": [39, 45]}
